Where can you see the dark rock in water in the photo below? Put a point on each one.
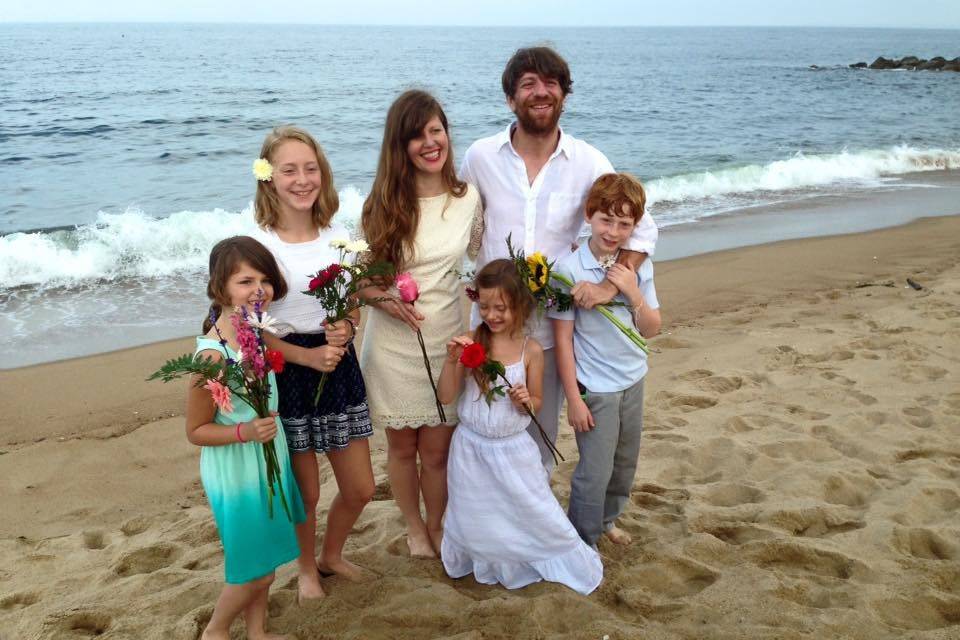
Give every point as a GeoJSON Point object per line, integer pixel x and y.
{"type": "Point", "coordinates": [912, 63]}
{"type": "Point", "coordinates": [882, 63]}
{"type": "Point", "coordinates": [933, 63]}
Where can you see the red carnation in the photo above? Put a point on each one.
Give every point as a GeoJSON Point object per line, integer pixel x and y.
{"type": "Point", "coordinates": [275, 358]}
{"type": "Point", "coordinates": [473, 356]}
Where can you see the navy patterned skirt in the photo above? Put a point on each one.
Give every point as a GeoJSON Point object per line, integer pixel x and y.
{"type": "Point", "coordinates": [339, 417]}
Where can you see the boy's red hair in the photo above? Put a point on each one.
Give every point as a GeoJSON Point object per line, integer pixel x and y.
{"type": "Point", "coordinates": [613, 190]}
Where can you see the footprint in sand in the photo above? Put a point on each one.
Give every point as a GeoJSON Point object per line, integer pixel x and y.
{"type": "Point", "coordinates": [731, 532]}
{"type": "Point", "coordinates": [921, 374]}
{"type": "Point", "coordinates": [813, 522]}
{"type": "Point", "coordinates": [694, 374]}
{"type": "Point", "coordinates": [666, 437]}
{"type": "Point", "coordinates": [135, 526]}
{"type": "Point", "coordinates": [951, 403]}
{"type": "Point", "coordinates": [382, 491]}
{"type": "Point", "coordinates": [792, 557]}
{"type": "Point", "coordinates": [656, 498]}
{"type": "Point", "coordinates": [732, 495]}
{"type": "Point", "coordinates": [672, 576]}
{"type": "Point", "coordinates": [94, 540]}
{"type": "Point", "coordinates": [837, 378]}
{"type": "Point", "coordinates": [19, 600]}
{"type": "Point", "coordinates": [930, 505]}
{"type": "Point", "coordinates": [833, 355]}
{"type": "Point", "coordinates": [752, 422]}
{"type": "Point", "coordinates": [924, 613]}
{"type": "Point", "coordinates": [147, 559]}
{"type": "Point", "coordinates": [804, 413]}
{"type": "Point", "coordinates": [720, 384]}
{"type": "Point", "coordinates": [922, 543]}
{"type": "Point", "coordinates": [77, 624]}
{"type": "Point", "coordinates": [669, 342]}
{"type": "Point", "coordinates": [684, 402]}
{"type": "Point", "coordinates": [806, 594]}
{"type": "Point", "coordinates": [918, 417]}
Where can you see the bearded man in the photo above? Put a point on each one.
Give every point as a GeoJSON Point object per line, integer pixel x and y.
{"type": "Point", "coordinates": [533, 179]}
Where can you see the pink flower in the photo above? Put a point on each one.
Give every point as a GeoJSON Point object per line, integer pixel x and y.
{"type": "Point", "coordinates": [407, 286]}
{"type": "Point", "coordinates": [221, 395]}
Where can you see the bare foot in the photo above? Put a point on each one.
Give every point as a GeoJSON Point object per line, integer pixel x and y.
{"type": "Point", "coordinates": [343, 568]}
{"type": "Point", "coordinates": [264, 635]}
{"type": "Point", "coordinates": [616, 535]}
{"type": "Point", "coordinates": [436, 538]}
{"type": "Point", "coordinates": [420, 546]}
{"type": "Point", "coordinates": [308, 588]}
{"type": "Point", "coordinates": [214, 635]}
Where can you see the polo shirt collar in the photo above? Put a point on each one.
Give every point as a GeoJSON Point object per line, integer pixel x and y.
{"type": "Point", "coordinates": [565, 145]}
{"type": "Point", "coordinates": [587, 259]}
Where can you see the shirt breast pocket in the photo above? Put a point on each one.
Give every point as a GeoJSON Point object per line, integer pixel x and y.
{"type": "Point", "coordinates": [565, 214]}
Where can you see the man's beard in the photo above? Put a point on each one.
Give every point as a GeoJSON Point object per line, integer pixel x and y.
{"type": "Point", "coordinates": [535, 126]}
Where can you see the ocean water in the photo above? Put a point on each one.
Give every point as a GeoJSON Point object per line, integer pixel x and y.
{"type": "Point", "coordinates": [126, 149]}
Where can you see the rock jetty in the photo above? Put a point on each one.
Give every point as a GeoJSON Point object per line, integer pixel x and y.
{"type": "Point", "coordinates": [912, 63]}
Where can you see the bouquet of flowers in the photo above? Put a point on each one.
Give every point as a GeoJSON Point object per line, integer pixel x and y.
{"type": "Point", "coordinates": [336, 286]}
{"type": "Point", "coordinates": [247, 377]}
{"type": "Point", "coordinates": [474, 356]}
{"type": "Point", "coordinates": [538, 272]}
{"type": "Point", "coordinates": [409, 292]}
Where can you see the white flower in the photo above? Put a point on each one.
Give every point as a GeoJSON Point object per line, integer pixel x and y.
{"type": "Point", "coordinates": [262, 169]}
{"type": "Point", "coordinates": [266, 322]}
{"type": "Point", "coordinates": [357, 246]}
{"type": "Point", "coordinates": [608, 261]}
{"type": "Point", "coordinates": [239, 357]}
{"type": "Point", "coordinates": [339, 243]}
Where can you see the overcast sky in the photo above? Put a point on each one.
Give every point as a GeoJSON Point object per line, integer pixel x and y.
{"type": "Point", "coordinates": [835, 13]}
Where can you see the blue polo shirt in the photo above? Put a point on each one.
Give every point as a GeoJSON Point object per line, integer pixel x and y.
{"type": "Point", "coordinates": [607, 361]}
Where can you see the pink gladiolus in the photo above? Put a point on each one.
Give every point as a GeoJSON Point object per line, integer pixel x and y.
{"type": "Point", "coordinates": [221, 395]}
{"type": "Point", "coordinates": [407, 287]}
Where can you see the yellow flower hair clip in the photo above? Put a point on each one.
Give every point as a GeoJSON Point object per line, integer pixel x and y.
{"type": "Point", "coordinates": [262, 170]}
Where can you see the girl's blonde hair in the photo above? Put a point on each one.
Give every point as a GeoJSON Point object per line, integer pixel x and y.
{"type": "Point", "coordinates": [267, 204]}
{"type": "Point", "coordinates": [391, 213]}
{"type": "Point", "coordinates": [501, 274]}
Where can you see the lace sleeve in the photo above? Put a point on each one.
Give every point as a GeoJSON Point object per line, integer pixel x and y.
{"type": "Point", "coordinates": [476, 232]}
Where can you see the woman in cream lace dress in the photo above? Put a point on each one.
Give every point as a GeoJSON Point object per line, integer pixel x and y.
{"type": "Point", "coordinates": [419, 217]}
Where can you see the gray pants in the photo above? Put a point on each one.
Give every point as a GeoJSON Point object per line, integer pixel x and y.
{"type": "Point", "coordinates": [549, 413]}
{"type": "Point", "coordinates": [601, 484]}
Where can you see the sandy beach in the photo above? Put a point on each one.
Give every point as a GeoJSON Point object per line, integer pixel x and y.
{"type": "Point", "coordinates": [798, 477]}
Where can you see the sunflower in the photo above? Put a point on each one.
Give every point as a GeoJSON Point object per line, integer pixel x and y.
{"type": "Point", "coordinates": [539, 271]}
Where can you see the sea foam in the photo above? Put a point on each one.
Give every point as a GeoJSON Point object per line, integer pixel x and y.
{"type": "Point", "coordinates": [136, 245]}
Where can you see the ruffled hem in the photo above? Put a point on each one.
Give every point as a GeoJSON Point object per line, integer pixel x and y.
{"type": "Point", "coordinates": [579, 569]}
{"type": "Point", "coordinates": [411, 422]}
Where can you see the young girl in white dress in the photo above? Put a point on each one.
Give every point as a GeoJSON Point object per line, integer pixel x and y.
{"type": "Point", "coordinates": [503, 523]}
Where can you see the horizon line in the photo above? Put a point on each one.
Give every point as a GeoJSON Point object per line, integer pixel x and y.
{"type": "Point", "coordinates": [477, 26]}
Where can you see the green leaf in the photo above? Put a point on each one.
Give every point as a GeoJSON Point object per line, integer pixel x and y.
{"type": "Point", "coordinates": [186, 365]}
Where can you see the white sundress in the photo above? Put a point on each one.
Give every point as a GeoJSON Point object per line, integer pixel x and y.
{"type": "Point", "coordinates": [503, 523]}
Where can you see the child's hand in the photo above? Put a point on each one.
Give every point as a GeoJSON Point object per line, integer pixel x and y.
{"type": "Point", "coordinates": [520, 395]}
{"type": "Point", "coordinates": [338, 333]}
{"type": "Point", "coordinates": [325, 358]}
{"type": "Point", "coordinates": [455, 348]}
{"type": "Point", "coordinates": [260, 430]}
{"type": "Point", "coordinates": [579, 416]}
{"type": "Point", "coordinates": [624, 279]}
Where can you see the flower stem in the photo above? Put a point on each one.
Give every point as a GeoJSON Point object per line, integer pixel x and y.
{"type": "Point", "coordinates": [433, 385]}
{"type": "Point", "coordinates": [543, 434]}
{"type": "Point", "coordinates": [605, 311]}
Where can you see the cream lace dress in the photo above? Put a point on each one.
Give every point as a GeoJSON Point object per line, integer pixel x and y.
{"type": "Point", "coordinates": [398, 390]}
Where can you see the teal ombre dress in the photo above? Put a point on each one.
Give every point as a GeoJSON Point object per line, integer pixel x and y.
{"type": "Point", "coordinates": [234, 479]}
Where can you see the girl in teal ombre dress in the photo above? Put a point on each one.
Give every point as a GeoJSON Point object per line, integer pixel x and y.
{"type": "Point", "coordinates": [242, 273]}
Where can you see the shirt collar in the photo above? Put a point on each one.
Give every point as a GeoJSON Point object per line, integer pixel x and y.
{"type": "Point", "coordinates": [565, 145]}
{"type": "Point", "coordinates": [587, 259]}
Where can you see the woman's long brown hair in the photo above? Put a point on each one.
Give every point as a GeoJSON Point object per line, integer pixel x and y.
{"type": "Point", "coordinates": [391, 213]}
{"type": "Point", "coordinates": [501, 274]}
